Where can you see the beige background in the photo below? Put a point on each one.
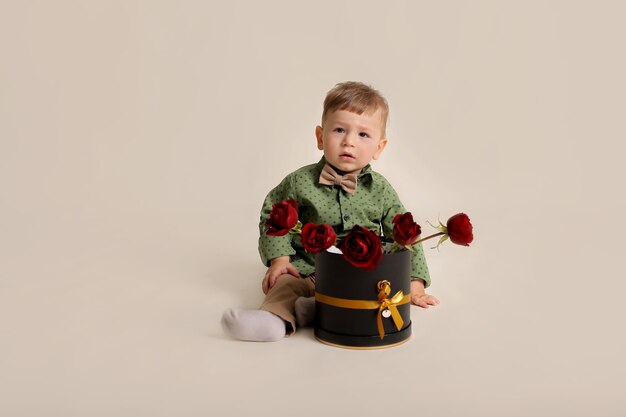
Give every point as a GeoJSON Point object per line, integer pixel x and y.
{"type": "Point", "coordinates": [138, 139]}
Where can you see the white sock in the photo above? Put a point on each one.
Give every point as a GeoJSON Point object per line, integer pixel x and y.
{"type": "Point", "coordinates": [305, 311]}
{"type": "Point", "coordinates": [253, 325]}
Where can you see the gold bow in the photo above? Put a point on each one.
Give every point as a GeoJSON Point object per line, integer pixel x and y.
{"type": "Point", "coordinates": [384, 289]}
{"type": "Point", "coordinates": [329, 176]}
{"type": "Point", "coordinates": [383, 303]}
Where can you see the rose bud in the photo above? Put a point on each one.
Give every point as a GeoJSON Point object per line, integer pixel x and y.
{"type": "Point", "coordinates": [460, 229]}
{"type": "Point", "coordinates": [405, 230]}
{"type": "Point", "coordinates": [317, 238]}
{"type": "Point", "coordinates": [362, 248]}
{"type": "Point", "coordinates": [282, 218]}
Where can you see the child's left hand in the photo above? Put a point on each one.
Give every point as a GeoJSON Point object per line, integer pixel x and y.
{"type": "Point", "coordinates": [419, 296]}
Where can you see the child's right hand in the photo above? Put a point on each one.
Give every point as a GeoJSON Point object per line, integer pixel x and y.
{"type": "Point", "coordinates": [278, 267]}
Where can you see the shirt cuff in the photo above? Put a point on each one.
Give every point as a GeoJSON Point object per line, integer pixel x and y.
{"type": "Point", "coordinates": [426, 281]}
{"type": "Point", "coordinates": [271, 247]}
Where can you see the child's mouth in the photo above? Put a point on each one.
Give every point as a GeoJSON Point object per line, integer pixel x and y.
{"type": "Point", "coordinates": [346, 157]}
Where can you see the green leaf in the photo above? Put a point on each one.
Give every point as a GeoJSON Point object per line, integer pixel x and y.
{"type": "Point", "coordinates": [441, 240]}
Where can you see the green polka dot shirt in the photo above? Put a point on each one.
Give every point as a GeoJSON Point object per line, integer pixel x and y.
{"type": "Point", "coordinates": [373, 205]}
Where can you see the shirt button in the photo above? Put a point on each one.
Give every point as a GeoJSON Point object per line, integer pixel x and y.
{"type": "Point", "coordinates": [346, 218]}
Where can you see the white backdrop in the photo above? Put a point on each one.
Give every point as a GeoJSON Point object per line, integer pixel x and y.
{"type": "Point", "coordinates": [138, 139]}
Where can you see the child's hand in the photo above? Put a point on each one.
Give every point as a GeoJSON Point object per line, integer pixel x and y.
{"type": "Point", "coordinates": [278, 267]}
{"type": "Point", "coordinates": [419, 296]}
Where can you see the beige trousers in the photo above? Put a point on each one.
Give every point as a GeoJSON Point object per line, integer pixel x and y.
{"type": "Point", "coordinates": [281, 298]}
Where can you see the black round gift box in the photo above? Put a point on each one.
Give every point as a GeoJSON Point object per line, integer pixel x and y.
{"type": "Point", "coordinates": [357, 328]}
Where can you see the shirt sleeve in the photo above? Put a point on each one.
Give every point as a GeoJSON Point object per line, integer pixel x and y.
{"type": "Point", "coordinates": [392, 207]}
{"type": "Point", "coordinates": [271, 247]}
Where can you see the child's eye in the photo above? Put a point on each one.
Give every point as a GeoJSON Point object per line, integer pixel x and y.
{"type": "Point", "coordinates": [338, 130]}
{"type": "Point", "coordinates": [364, 135]}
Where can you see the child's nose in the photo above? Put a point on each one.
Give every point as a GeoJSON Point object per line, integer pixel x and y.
{"type": "Point", "coordinates": [348, 139]}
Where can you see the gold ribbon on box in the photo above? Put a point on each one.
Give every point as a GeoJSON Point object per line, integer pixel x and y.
{"type": "Point", "coordinates": [383, 303]}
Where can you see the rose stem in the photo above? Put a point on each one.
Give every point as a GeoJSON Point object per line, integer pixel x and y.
{"type": "Point", "coordinates": [428, 237]}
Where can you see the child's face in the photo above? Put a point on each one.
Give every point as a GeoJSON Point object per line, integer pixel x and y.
{"type": "Point", "coordinates": [349, 140]}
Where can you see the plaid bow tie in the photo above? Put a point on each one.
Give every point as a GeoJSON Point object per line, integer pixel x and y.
{"type": "Point", "coordinates": [329, 176]}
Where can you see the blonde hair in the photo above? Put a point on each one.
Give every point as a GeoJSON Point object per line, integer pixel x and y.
{"type": "Point", "coordinates": [355, 97]}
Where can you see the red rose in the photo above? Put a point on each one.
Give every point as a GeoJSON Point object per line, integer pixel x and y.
{"type": "Point", "coordinates": [317, 237]}
{"type": "Point", "coordinates": [283, 217]}
{"type": "Point", "coordinates": [460, 229]}
{"type": "Point", "coordinates": [362, 248]}
{"type": "Point", "coordinates": [405, 230]}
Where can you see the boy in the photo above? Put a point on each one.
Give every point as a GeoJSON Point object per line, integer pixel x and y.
{"type": "Point", "coordinates": [341, 190]}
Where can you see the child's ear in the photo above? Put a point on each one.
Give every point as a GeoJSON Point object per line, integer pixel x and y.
{"type": "Point", "coordinates": [319, 133]}
{"type": "Point", "coordinates": [381, 146]}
